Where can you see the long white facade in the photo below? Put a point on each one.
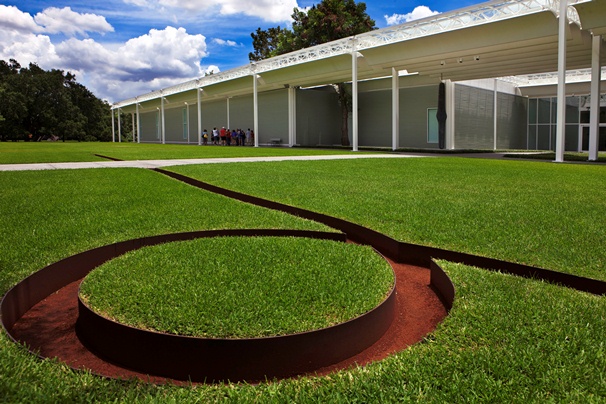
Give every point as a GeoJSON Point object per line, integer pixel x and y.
{"type": "Point", "coordinates": [494, 39]}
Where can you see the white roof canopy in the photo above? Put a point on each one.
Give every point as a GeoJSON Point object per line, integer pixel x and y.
{"type": "Point", "coordinates": [494, 39]}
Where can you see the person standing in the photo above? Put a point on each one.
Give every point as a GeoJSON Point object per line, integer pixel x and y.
{"type": "Point", "coordinates": [227, 137]}
{"type": "Point", "coordinates": [223, 133]}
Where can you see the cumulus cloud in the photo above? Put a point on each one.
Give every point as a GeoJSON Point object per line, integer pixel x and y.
{"type": "Point", "coordinates": [268, 10]}
{"type": "Point", "coordinates": [170, 52]}
{"type": "Point", "coordinates": [158, 59]}
{"type": "Point", "coordinates": [64, 20]}
{"type": "Point", "coordinates": [27, 48]}
{"type": "Point", "coordinates": [416, 14]}
{"type": "Point", "coordinates": [155, 60]}
{"type": "Point", "coordinates": [13, 19]}
{"type": "Point", "coordinates": [20, 38]}
{"type": "Point", "coordinates": [212, 69]}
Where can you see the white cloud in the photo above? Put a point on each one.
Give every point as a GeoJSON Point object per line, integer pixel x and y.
{"type": "Point", "coordinates": [27, 48]}
{"type": "Point", "coordinates": [224, 42]}
{"type": "Point", "coordinates": [64, 20]}
{"type": "Point", "coordinates": [212, 69]}
{"type": "Point", "coordinates": [171, 51]}
{"type": "Point", "coordinates": [158, 59]}
{"type": "Point", "coordinates": [416, 14]}
{"type": "Point", "coordinates": [13, 19]}
{"type": "Point", "coordinates": [155, 60]}
{"type": "Point", "coordinates": [268, 10]}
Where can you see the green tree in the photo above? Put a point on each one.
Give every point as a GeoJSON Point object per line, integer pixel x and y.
{"type": "Point", "coordinates": [49, 103]}
{"type": "Point", "coordinates": [267, 43]}
{"type": "Point", "coordinates": [328, 21]}
{"type": "Point", "coordinates": [13, 107]}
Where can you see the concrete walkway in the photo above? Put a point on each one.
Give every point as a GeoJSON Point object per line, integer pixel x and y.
{"type": "Point", "coordinates": [166, 163]}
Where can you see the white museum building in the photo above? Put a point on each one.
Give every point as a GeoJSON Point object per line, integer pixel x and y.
{"type": "Point", "coordinates": [518, 74]}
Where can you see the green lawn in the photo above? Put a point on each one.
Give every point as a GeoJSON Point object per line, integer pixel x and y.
{"type": "Point", "coordinates": [207, 287]}
{"type": "Point", "coordinates": [547, 215]}
{"type": "Point", "coordinates": [59, 152]}
{"type": "Point", "coordinates": [507, 339]}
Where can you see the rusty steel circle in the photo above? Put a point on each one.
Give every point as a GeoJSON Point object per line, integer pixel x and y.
{"type": "Point", "coordinates": [198, 359]}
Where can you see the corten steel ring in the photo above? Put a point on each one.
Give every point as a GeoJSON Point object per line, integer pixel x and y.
{"type": "Point", "coordinates": [199, 359]}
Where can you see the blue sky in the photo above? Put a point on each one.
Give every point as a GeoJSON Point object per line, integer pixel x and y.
{"type": "Point", "coordinates": [123, 48]}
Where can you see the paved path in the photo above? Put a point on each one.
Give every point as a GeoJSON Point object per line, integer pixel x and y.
{"type": "Point", "coordinates": [176, 162]}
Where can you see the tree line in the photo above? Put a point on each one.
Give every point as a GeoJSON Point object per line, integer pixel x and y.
{"type": "Point", "coordinates": [36, 104]}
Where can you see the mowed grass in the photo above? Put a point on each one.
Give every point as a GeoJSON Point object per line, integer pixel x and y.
{"type": "Point", "coordinates": [507, 339]}
{"type": "Point", "coordinates": [239, 287]}
{"type": "Point", "coordinates": [47, 216]}
{"type": "Point", "coordinates": [59, 152]}
{"type": "Point", "coordinates": [541, 214]}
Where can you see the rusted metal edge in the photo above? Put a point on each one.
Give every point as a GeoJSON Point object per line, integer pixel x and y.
{"type": "Point", "coordinates": [247, 359]}
{"type": "Point", "coordinates": [198, 359]}
{"type": "Point", "coordinates": [442, 284]}
{"type": "Point", "coordinates": [405, 252]}
{"type": "Point", "coordinates": [27, 293]}
{"type": "Point", "coordinates": [108, 158]}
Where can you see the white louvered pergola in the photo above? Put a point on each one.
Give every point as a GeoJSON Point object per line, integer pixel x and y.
{"type": "Point", "coordinates": [518, 39]}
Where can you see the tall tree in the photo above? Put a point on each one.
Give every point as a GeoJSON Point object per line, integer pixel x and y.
{"type": "Point", "coordinates": [327, 21]}
{"type": "Point", "coordinates": [45, 103]}
{"type": "Point", "coordinates": [267, 43]}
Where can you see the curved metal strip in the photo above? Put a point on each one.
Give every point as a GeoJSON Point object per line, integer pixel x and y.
{"type": "Point", "coordinates": [405, 252]}
{"type": "Point", "coordinates": [198, 359]}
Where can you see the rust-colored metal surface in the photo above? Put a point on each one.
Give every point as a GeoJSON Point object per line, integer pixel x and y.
{"type": "Point", "coordinates": [49, 328]}
{"type": "Point", "coordinates": [212, 360]}
{"type": "Point", "coordinates": [41, 284]}
{"type": "Point", "coordinates": [198, 359]}
{"type": "Point", "coordinates": [108, 158]}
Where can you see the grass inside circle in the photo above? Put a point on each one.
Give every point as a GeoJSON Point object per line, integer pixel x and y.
{"type": "Point", "coordinates": [239, 287]}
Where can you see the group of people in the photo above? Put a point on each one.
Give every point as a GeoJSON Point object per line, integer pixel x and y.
{"type": "Point", "coordinates": [227, 137]}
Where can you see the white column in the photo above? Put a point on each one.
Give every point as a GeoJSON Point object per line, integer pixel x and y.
{"type": "Point", "coordinates": [132, 114]}
{"type": "Point", "coordinates": [561, 116]}
{"type": "Point", "coordinates": [113, 127]}
{"type": "Point", "coordinates": [163, 128]}
{"type": "Point", "coordinates": [495, 112]}
{"type": "Point", "coordinates": [255, 110]}
{"type": "Point", "coordinates": [354, 96]}
{"type": "Point", "coordinates": [119, 127]}
{"type": "Point", "coordinates": [228, 125]}
{"type": "Point", "coordinates": [450, 113]}
{"type": "Point", "coordinates": [199, 117]}
{"type": "Point", "coordinates": [187, 120]}
{"type": "Point", "coordinates": [138, 124]}
{"type": "Point", "coordinates": [594, 108]}
{"type": "Point", "coordinates": [292, 116]}
{"type": "Point", "coordinates": [395, 109]}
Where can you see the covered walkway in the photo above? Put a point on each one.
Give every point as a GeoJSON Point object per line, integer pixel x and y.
{"type": "Point", "coordinates": [494, 39]}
